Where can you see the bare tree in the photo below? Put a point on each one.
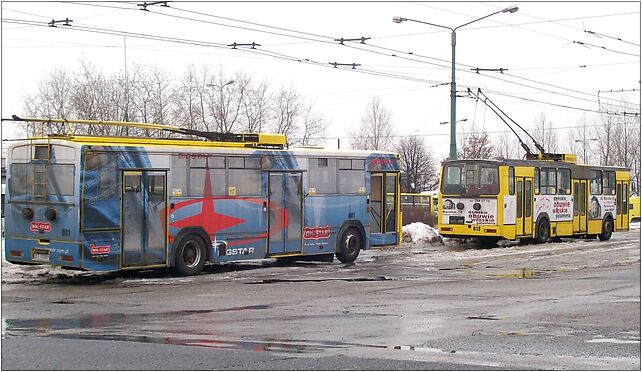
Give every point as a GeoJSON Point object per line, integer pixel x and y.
{"type": "Point", "coordinates": [255, 109]}
{"type": "Point", "coordinates": [312, 129]}
{"type": "Point", "coordinates": [605, 134]}
{"type": "Point", "coordinates": [188, 111]}
{"type": "Point", "coordinates": [507, 146]}
{"type": "Point", "coordinates": [225, 100]}
{"type": "Point", "coordinates": [286, 111]}
{"type": "Point", "coordinates": [476, 145]}
{"type": "Point", "coordinates": [376, 129]}
{"type": "Point", "coordinates": [580, 140]}
{"type": "Point", "coordinates": [418, 166]}
{"type": "Point", "coordinates": [53, 100]}
{"type": "Point", "coordinates": [544, 133]}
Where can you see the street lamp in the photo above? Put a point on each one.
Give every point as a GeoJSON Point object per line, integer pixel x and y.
{"type": "Point", "coordinates": [458, 121]}
{"type": "Point", "coordinates": [584, 148]}
{"type": "Point", "coordinates": [220, 95]}
{"type": "Point", "coordinates": [453, 43]}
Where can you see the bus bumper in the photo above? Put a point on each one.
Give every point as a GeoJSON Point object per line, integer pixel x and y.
{"type": "Point", "coordinates": [34, 251]}
{"type": "Point", "coordinates": [470, 231]}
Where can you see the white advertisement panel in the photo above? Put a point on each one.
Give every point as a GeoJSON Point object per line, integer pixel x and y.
{"type": "Point", "coordinates": [600, 205]}
{"type": "Point", "coordinates": [469, 211]}
{"type": "Point", "coordinates": [510, 209]}
{"type": "Point", "coordinates": [558, 207]}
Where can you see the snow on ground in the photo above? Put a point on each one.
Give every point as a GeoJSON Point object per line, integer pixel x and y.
{"type": "Point", "coordinates": [634, 225]}
{"type": "Point", "coordinates": [420, 232]}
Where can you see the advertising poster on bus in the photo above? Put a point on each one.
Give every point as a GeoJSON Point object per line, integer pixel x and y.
{"type": "Point", "coordinates": [469, 211]}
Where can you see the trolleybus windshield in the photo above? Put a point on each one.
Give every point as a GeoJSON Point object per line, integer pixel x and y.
{"type": "Point", "coordinates": [470, 178]}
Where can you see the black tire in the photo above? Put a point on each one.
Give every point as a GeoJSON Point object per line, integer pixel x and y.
{"type": "Point", "coordinates": [607, 229]}
{"type": "Point", "coordinates": [190, 255]}
{"type": "Point", "coordinates": [543, 231]}
{"type": "Point", "coordinates": [349, 244]}
{"type": "Point", "coordinates": [488, 241]}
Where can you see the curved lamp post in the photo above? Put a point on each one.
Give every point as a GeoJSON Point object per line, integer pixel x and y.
{"type": "Point", "coordinates": [453, 43]}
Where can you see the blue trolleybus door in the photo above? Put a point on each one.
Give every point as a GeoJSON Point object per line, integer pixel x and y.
{"type": "Point", "coordinates": [286, 213]}
{"type": "Point", "coordinates": [144, 233]}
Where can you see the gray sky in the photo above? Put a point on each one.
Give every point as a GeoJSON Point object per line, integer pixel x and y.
{"type": "Point", "coordinates": [537, 45]}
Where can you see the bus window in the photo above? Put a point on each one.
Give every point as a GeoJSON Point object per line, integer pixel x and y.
{"type": "Point", "coordinates": [564, 181]}
{"type": "Point", "coordinates": [246, 181]}
{"type": "Point", "coordinates": [625, 197]}
{"type": "Point", "coordinates": [197, 182]}
{"type": "Point", "coordinates": [322, 175]}
{"type": "Point", "coordinates": [452, 182]}
{"type": "Point", "coordinates": [488, 181]}
{"type": "Point", "coordinates": [511, 180]}
{"type": "Point", "coordinates": [536, 181]}
{"type": "Point", "coordinates": [618, 199]}
{"type": "Point", "coordinates": [550, 188]}
{"type": "Point", "coordinates": [596, 182]}
{"type": "Point", "coordinates": [21, 176]}
{"type": "Point", "coordinates": [60, 179]}
{"type": "Point", "coordinates": [608, 183]}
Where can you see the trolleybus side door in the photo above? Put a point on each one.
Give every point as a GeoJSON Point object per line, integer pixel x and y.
{"type": "Point", "coordinates": [285, 221]}
{"type": "Point", "coordinates": [622, 207]}
{"type": "Point", "coordinates": [144, 222]}
{"type": "Point", "coordinates": [383, 201]}
{"type": "Point", "coordinates": [579, 206]}
{"type": "Point", "coordinates": [524, 215]}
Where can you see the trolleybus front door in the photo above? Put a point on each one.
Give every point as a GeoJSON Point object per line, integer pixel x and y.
{"type": "Point", "coordinates": [286, 213]}
{"type": "Point", "coordinates": [579, 206]}
{"type": "Point", "coordinates": [524, 215]}
{"type": "Point", "coordinates": [144, 199]}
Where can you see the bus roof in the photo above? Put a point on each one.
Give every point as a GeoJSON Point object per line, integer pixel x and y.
{"type": "Point", "coordinates": [535, 163]}
{"type": "Point", "coordinates": [185, 144]}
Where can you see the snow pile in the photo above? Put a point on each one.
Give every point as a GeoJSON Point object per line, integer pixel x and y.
{"type": "Point", "coordinates": [420, 232]}
{"type": "Point", "coordinates": [634, 225]}
{"type": "Point", "coordinates": [12, 274]}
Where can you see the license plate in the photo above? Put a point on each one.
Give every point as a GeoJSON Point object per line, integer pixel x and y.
{"type": "Point", "coordinates": [40, 255]}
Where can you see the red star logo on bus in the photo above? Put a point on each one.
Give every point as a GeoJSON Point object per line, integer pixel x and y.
{"type": "Point", "coordinates": [209, 219]}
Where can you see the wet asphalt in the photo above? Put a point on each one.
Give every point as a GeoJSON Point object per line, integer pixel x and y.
{"type": "Point", "coordinates": [574, 304]}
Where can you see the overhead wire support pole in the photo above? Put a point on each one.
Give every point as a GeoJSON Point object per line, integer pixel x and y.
{"type": "Point", "coordinates": [146, 4]}
{"type": "Point", "coordinates": [500, 70]}
{"type": "Point", "coordinates": [235, 45]}
{"type": "Point", "coordinates": [354, 65]}
{"type": "Point", "coordinates": [361, 39]}
{"type": "Point", "coordinates": [65, 22]}
{"type": "Point", "coordinates": [453, 86]}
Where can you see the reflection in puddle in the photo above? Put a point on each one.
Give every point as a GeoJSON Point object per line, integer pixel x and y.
{"type": "Point", "coordinates": [124, 327]}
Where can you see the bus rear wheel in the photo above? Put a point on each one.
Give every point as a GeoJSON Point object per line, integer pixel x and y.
{"type": "Point", "coordinates": [190, 255]}
{"type": "Point", "coordinates": [543, 231]}
{"type": "Point", "coordinates": [350, 243]}
{"type": "Point", "coordinates": [607, 229]}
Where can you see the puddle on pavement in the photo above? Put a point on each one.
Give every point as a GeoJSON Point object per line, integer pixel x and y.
{"type": "Point", "coordinates": [109, 327]}
{"type": "Point", "coordinates": [377, 278]}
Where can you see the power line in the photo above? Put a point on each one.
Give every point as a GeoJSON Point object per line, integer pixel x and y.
{"type": "Point", "coordinates": [609, 37]}
{"type": "Point", "coordinates": [291, 58]}
{"type": "Point", "coordinates": [352, 46]}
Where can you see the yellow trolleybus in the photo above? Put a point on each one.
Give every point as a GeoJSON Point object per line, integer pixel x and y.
{"type": "Point", "coordinates": [532, 199]}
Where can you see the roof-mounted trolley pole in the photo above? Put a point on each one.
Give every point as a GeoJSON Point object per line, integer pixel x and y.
{"type": "Point", "coordinates": [243, 139]}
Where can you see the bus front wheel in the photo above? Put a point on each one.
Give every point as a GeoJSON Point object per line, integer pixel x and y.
{"type": "Point", "coordinates": [350, 243]}
{"type": "Point", "coordinates": [543, 231]}
{"type": "Point", "coordinates": [190, 255]}
{"type": "Point", "coordinates": [607, 229]}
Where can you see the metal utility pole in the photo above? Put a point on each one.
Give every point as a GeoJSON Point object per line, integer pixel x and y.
{"type": "Point", "coordinates": [453, 86]}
